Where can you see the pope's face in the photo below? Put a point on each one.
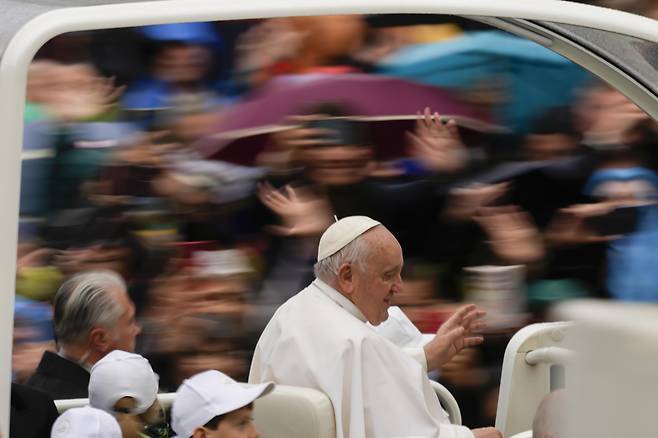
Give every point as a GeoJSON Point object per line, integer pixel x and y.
{"type": "Point", "coordinates": [379, 277]}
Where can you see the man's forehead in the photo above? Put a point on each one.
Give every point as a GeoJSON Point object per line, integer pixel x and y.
{"type": "Point", "coordinates": [384, 246]}
{"type": "Point", "coordinates": [380, 236]}
{"type": "Point", "coordinates": [120, 295]}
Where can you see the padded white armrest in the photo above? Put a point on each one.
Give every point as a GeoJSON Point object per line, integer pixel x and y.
{"type": "Point", "coordinates": [448, 402]}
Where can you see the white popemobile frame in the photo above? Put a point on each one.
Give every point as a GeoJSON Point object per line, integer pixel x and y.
{"type": "Point", "coordinates": [28, 24]}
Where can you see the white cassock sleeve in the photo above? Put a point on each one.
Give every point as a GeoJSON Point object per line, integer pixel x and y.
{"type": "Point", "coordinates": [399, 329]}
{"type": "Point", "coordinates": [385, 390]}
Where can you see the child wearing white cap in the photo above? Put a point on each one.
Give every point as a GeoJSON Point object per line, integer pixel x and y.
{"type": "Point", "coordinates": [212, 405]}
{"type": "Point", "coordinates": [85, 422]}
{"type": "Point", "coordinates": [124, 385]}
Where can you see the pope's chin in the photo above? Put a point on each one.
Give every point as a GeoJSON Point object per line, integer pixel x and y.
{"type": "Point", "coordinates": [382, 314]}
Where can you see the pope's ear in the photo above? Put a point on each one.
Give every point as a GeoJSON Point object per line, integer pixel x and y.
{"type": "Point", "coordinates": [345, 277]}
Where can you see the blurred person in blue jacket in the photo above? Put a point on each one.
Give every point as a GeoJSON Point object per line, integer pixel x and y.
{"type": "Point", "coordinates": [182, 72]}
{"type": "Point", "coordinates": [623, 220]}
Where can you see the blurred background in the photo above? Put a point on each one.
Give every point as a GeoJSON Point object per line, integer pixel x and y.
{"type": "Point", "coordinates": [202, 162]}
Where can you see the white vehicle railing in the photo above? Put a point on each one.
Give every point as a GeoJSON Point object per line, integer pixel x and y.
{"type": "Point", "coordinates": [526, 377]}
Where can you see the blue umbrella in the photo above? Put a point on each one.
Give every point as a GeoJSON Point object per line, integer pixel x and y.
{"type": "Point", "coordinates": [535, 78]}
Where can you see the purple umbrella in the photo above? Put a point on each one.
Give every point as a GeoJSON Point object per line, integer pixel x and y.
{"type": "Point", "coordinates": [367, 97]}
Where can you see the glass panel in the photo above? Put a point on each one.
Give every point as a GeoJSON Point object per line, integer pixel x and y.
{"type": "Point", "coordinates": [637, 56]}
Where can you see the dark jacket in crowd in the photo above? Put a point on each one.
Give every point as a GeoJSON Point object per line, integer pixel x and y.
{"type": "Point", "coordinates": [32, 413]}
{"type": "Point", "coordinates": [60, 378]}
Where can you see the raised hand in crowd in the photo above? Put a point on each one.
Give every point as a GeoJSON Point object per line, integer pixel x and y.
{"type": "Point", "coordinates": [264, 45]}
{"type": "Point", "coordinates": [569, 226]}
{"type": "Point", "coordinates": [302, 213]}
{"type": "Point", "coordinates": [464, 202]}
{"type": "Point", "coordinates": [511, 234]}
{"type": "Point", "coordinates": [77, 92]}
{"type": "Point", "coordinates": [464, 370]}
{"type": "Point", "coordinates": [34, 257]}
{"type": "Point", "coordinates": [437, 144]}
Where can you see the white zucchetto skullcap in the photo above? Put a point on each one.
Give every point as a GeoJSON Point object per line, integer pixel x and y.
{"type": "Point", "coordinates": [120, 374]}
{"type": "Point", "coordinates": [342, 232]}
{"type": "Point", "coordinates": [86, 422]}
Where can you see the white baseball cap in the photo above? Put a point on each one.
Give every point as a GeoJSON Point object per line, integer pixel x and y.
{"type": "Point", "coordinates": [86, 422]}
{"type": "Point", "coordinates": [342, 232]}
{"type": "Point", "coordinates": [120, 374]}
{"type": "Point", "coordinates": [206, 395]}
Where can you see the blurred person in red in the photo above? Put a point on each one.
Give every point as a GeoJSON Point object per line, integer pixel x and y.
{"type": "Point", "coordinates": [298, 45]}
{"type": "Point", "coordinates": [92, 315]}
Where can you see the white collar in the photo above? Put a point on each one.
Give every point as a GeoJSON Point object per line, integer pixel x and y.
{"type": "Point", "coordinates": [339, 299]}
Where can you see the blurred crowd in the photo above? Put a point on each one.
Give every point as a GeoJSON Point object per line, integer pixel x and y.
{"type": "Point", "coordinates": [201, 163]}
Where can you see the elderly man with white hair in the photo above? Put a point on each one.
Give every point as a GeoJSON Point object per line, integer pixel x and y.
{"type": "Point", "coordinates": [93, 315]}
{"type": "Point", "coordinates": [321, 339]}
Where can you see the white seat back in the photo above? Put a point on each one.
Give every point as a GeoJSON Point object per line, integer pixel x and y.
{"type": "Point", "coordinates": [292, 412]}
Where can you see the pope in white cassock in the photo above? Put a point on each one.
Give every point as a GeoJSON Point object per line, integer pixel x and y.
{"type": "Point", "coordinates": [323, 338]}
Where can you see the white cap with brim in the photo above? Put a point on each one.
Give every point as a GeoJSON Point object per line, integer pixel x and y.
{"type": "Point", "coordinates": [120, 374]}
{"type": "Point", "coordinates": [206, 395]}
{"type": "Point", "coordinates": [342, 232]}
{"type": "Point", "coordinates": [86, 422]}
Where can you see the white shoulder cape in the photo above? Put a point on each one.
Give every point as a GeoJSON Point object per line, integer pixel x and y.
{"type": "Point", "coordinates": [319, 339]}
